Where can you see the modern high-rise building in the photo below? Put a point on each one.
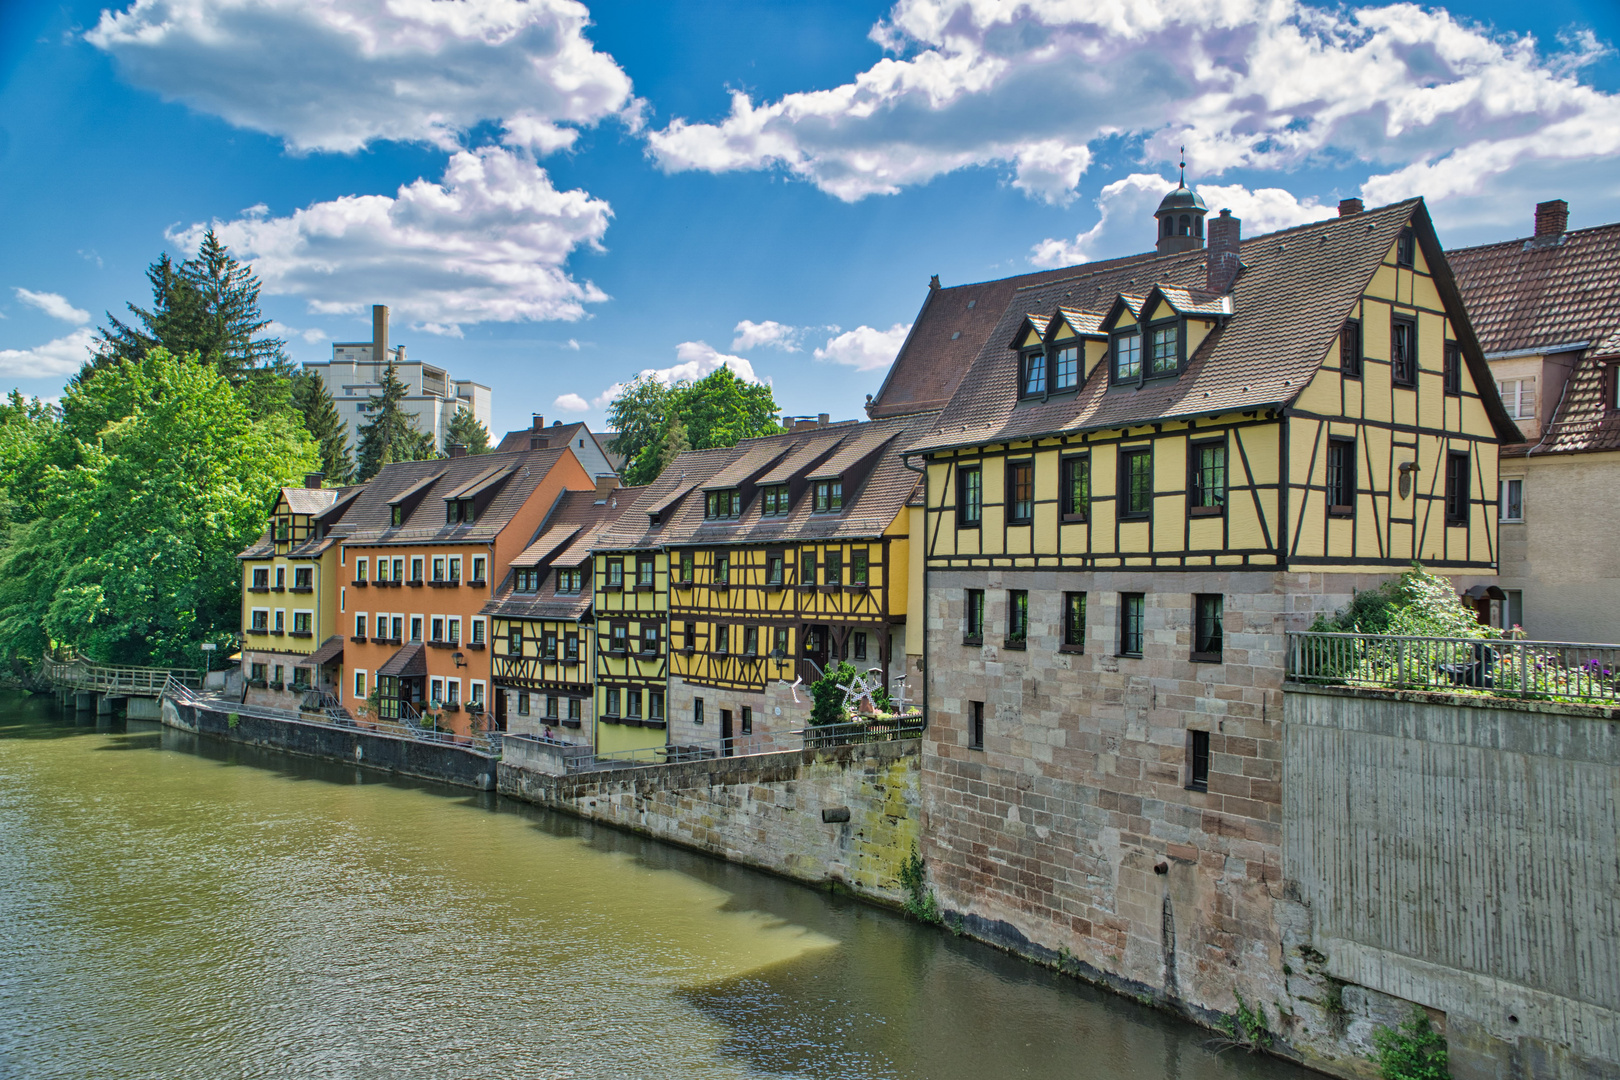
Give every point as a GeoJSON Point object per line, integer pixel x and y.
{"type": "Point", "coordinates": [354, 377]}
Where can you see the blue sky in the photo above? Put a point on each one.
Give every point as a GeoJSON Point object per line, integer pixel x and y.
{"type": "Point", "coordinates": [553, 198]}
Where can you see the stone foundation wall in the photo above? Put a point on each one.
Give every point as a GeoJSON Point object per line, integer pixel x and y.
{"type": "Point", "coordinates": [845, 816]}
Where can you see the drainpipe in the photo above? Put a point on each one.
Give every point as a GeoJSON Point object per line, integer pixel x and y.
{"type": "Point", "coordinates": [905, 459]}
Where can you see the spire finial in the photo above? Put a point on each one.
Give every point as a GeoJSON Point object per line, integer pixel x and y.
{"type": "Point", "coordinates": [1183, 167]}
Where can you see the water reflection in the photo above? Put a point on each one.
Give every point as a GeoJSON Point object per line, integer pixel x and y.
{"type": "Point", "coordinates": [180, 907]}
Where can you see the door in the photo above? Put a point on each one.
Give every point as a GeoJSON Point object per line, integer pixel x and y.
{"type": "Point", "coordinates": [500, 709]}
{"type": "Point", "coordinates": [815, 649]}
{"type": "Point", "coordinates": [725, 732]}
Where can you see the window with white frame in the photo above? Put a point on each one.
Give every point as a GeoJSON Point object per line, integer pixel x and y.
{"type": "Point", "coordinates": [260, 621]}
{"type": "Point", "coordinates": [455, 630]}
{"type": "Point", "coordinates": [452, 691]}
{"type": "Point", "coordinates": [343, 599]}
{"type": "Point", "coordinates": [436, 691]}
{"type": "Point", "coordinates": [360, 569]}
{"type": "Point", "coordinates": [437, 628]}
{"type": "Point", "coordinates": [455, 568]}
{"type": "Point", "coordinates": [1512, 505]}
{"type": "Point", "coordinates": [281, 621]}
{"type": "Point", "coordinates": [360, 685]}
{"type": "Point", "coordinates": [1519, 395]}
{"type": "Point", "coordinates": [478, 564]}
{"type": "Point", "coordinates": [475, 693]}
{"type": "Point", "coordinates": [478, 630]}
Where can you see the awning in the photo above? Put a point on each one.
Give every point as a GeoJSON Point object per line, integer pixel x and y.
{"type": "Point", "coordinates": [408, 662]}
{"type": "Point", "coordinates": [550, 541]}
{"type": "Point", "coordinates": [331, 650]}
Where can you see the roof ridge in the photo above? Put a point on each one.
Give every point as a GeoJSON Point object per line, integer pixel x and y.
{"type": "Point", "coordinates": [1520, 240]}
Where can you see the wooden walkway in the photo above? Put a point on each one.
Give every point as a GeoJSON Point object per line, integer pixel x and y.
{"type": "Point", "coordinates": [114, 680]}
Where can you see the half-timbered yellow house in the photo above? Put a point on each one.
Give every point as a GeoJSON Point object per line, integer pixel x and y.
{"type": "Point", "coordinates": [293, 594]}
{"type": "Point", "coordinates": [543, 636]}
{"type": "Point", "coordinates": [1153, 468]}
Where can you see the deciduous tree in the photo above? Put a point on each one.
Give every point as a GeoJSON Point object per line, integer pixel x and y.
{"type": "Point", "coordinates": [717, 410]}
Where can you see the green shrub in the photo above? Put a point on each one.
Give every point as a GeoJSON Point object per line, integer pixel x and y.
{"type": "Point", "coordinates": [920, 902]}
{"type": "Point", "coordinates": [1248, 1027]}
{"type": "Point", "coordinates": [828, 699]}
{"type": "Point", "coordinates": [1414, 1051]}
{"type": "Point", "coordinates": [1416, 604]}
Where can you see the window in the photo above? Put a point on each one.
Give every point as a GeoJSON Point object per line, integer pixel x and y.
{"type": "Point", "coordinates": [858, 566]}
{"type": "Point", "coordinates": [973, 617]}
{"type": "Point", "coordinates": [807, 568]}
{"type": "Point", "coordinates": [697, 710]}
{"type": "Point", "coordinates": [1341, 476]}
{"type": "Point", "coordinates": [551, 708]}
{"type": "Point", "coordinates": [1074, 622]}
{"type": "Point", "coordinates": [459, 511]}
{"type": "Point", "coordinates": [688, 560]}
{"type": "Point", "coordinates": [1350, 349]}
{"type": "Point", "coordinates": [475, 693]}
{"type": "Point", "coordinates": [360, 569]}
{"type": "Point", "coordinates": [523, 703]}
{"type": "Point", "coordinates": [969, 497]}
{"type": "Point", "coordinates": [644, 571]}
{"type": "Point", "coordinates": [477, 631]}
{"type": "Point", "coordinates": [829, 496]}
{"type": "Point", "coordinates": [478, 564]}
{"type": "Point", "coordinates": [747, 719]}
{"type": "Point", "coordinates": [781, 649]}
{"type": "Point", "coordinates": [514, 640]}
{"type": "Point", "coordinates": [1136, 483]}
{"type": "Point", "coordinates": [620, 639]}
{"type": "Point", "coordinates": [1207, 609]}
{"type": "Point", "coordinates": [751, 641]}
{"type": "Point", "coordinates": [1451, 369]}
{"type": "Point", "coordinates": [396, 515]}
{"type": "Point", "coordinates": [1128, 357]}
{"type": "Point", "coordinates": [301, 621]}
{"type": "Point", "coordinates": [416, 568]}
{"type": "Point", "coordinates": [1066, 367]}
{"type": "Point", "coordinates": [570, 582]}
{"type": "Point", "coordinates": [525, 580]}
{"type": "Point", "coordinates": [721, 561]}
{"type": "Point", "coordinates": [1017, 618]}
{"type": "Point", "coordinates": [722, 504]}
{"type": "Point", "coordinates": [261, 577]}
{"type": "Point", "coordinates": [722, 638]}
{"type": "Point", "coordinates": [1457, 488]}
{"type": "Point", "coordinates": [399, 630]}
{"type": "Point", "coordinates": [649, 639]}
{"type": "Point", "coordinates": [571, 647]}
{"type": "Point", "coordinates": [1519, 395]}
{"type": "Point", "coordinates": [1166, 350]}
{"type": "Point", "coordinates": [832, 563]}
{"type": "Point", "coordinates": [260, 623]}
{"type": "Point", "coordinates": [1198, 760]}
{"type": "Point", "coordinates": [257, 673]}
{"type": "Point", "coordinates": [455, 630]}
{"type": "Point", "coordinates": [437, 624]}
{"type": "Point", "coordinates": [774, 502]}
{"type": "Point", "coordinates": [615, 577]}
{"type": "Point", "coordinates": [689, 636]}
{"type": "Point", "coordinates": [575, 708]}
{"type": "Point", "coordinates": [1020, 492]}
{"type": "Point", "coordinates": [773, 568]}
{"type": "Point", "coordinates": [655, 704]}
{"type": "Point", "coordinates": [416, 628]}
{"type": "Point", "coordinates": [548, 646]}
{"type": "Point", "coordinates": [1512, 500]}
{"type": "Point", "coordinates": [360, 684]}
{"type": "Point", "coordinates": [360, 626]}
{"type": "Point", "coordinates": [1034, 373]}
{"type": "Point", "coordinates": [438, 568]}
{"type": "Point", "coordinates": [975, 725]}
{"type": "Point", "coordinates": [1076, 487]}
{"type": "Point", "coordinates": [436, 692]}
{"type": "Point", "coordinates": [303, 578]}
{"type": "Point", "coordinates": [283, 530]}
{"type": "Point", "coordinates": [1403, 351]}
{"type": "Point", "coordinates": [611, 705]}
{"type": "Point", "coordinates": [1132, 609]}
{"type": "Point", "coordinates": [281, 621]}
{"type": "Point", "coordinates": [858, 647]}
{"type": "Point", "coordinates": [1406, 249]}
{"type": "Point", "coordinates": [632, 704]}
{"type": "Point", "coordinates": [281, 578]}
{"type": "Point", "coordinates": [1206, 488]}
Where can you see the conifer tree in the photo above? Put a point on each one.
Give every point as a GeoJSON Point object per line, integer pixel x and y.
{"type": "Point", "coordinates": [325, 426]}
{"type": "Point", "coordinates": [675, 444]}
{"type": "Point", "coordinates": [391, 434]}
{"type": "Point", "coordinates": [465, 429]}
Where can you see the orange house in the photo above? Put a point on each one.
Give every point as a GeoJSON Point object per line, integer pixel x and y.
{"type": "Point", "coordinates": [423, 548]}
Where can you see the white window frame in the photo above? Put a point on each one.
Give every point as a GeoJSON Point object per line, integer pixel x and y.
{"type": "Point", "coordinates": [1502, 506]}
{"type": "Point", "coordinates": [1516, 403]}
{"type": "Point", "coordinates": [254, 611]}
{"type": "Point", "coordinates": [455, 568]}
{"type": "Point", "coordinates": [359, 685]}
{"type": "Point", "coordinates": [304, 611]}
{"type": "Point", "coordinates": [480, 631]}
{"type": "Point", "coordinates": [452, 691]}
{"type": "Point", "coordinates": [416, 624]}
{"type": "Point", "coordinates": [343, 598]}
{"type": "Point", "coordinates": [418, 567]}
{"type": "Point", "coordinates": [278, 621]}
{"type": "Point", "coordinates": [438, 567]}
{"type": "Point", "coordinates": [357, 617]}
{"type": "Point", "coordinates": [452, 627]}
{"type": "Point", "coordinates": [436, 691]}
{"type": "Point", "coordinates": [360, 570]}
{"type": "Point", "coordinates": [475, 692]}
{"type": "Point", "coordinates": [480, 564]}
{"type": "Point", "coordinates": [440, 620]}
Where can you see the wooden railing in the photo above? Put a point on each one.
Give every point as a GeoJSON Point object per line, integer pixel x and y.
{"type": "Point", "coordinates": [116, 679]}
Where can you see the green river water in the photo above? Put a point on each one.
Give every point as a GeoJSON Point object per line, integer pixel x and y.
{"type": "Point", "coordinates": [177, 907]}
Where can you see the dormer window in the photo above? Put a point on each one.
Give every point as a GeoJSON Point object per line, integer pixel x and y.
{"type": "Point", "coordinates": [527, 581]}
{"type": "Point", "coordinates": [1166, 350]}
{"type": "Point", "coordinates": [396, 516]}
{"type": "Point", "coordinates": [1035, 374]}
{"type": "Point", "coordinates": [570, 582]}
{"type": "Point", "coordinates": [829, 497]}
{"type": "Point", "coordinates": [459, 512]}
{"type": "Point", "coordinates": [1055, 370]}
{"type": "Point", "coordinates": [774, 501]}
{"type": "Point", "coordinates": [722, 505]}
{"type": "Point", "coordinates": [1127, 357]}
{"type": "Point", "coordinates": [1066, 367]}
{"type": "Point", "coordinates": [1406, 249]}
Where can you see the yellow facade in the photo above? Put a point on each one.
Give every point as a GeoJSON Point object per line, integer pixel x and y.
{"type": "Point", "coordinates": [634, 673]}
{"type": "Point", "coordinates": [293, 596]}
{"type": "Point", "coordinates": [547, 664]}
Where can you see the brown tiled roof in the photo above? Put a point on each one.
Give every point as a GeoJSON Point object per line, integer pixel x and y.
{"type": "Point", "coordinates": [303, 500]}
{"type": "Point", "coordinates": [747, 465]}
{"type": "Point", "coordinates": [1530, 294]}
{"type": "Point", "coordinates": [577, 519]}
{"type": "Point", "coordinates": [1584, 421]}
{"type": "Point", "coordinates": [1293, 294]}
{"type": "Point", "coordinates": [330, 512]}
{"type": "Point", "coordinates": [410, 662]}
{"type": "Point", "coordinates": [948, 333]}
{"type": "Point", "coordinates": [556, 435]}
{"type": "Point", "coordinates": [369, 519]}
{"type": "Point", "coordinates": [805, 453]}
{"type": "Point", "coordinates": [331, 649]}
{"type": "Point", "coordinates": [634, 528]}
{"type": "Point", "coordinates": [870, 505]}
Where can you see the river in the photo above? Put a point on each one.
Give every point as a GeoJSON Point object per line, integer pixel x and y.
{"type": "Point", "coordinates": [177, 907]}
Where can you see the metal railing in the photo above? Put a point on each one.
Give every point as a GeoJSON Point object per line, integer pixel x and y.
{"type": "Point", "coordinates": [876, 729]}
{"type": "Point", "coordinates": [1500, 667]}
{"type": "Point", "coordinates": [873, 729]}
{"type": "Point", "coordinates": [114, 678]}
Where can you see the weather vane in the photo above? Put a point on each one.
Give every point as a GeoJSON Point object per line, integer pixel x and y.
{"type": "Point", "coordinates": [1183, 166]}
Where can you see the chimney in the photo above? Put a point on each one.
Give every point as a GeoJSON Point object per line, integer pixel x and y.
{"type": "Point", "coordinates": [606, 484]}
{"type": "Point", "coordinates": [1349, 207]}
{"type": "Point", "coordinates": [823, 419]}
{"type": "Point", "coordinates": [458, 449]}
{"type": "Point", "coordinates": [1552, 217]}
{"type": "Point", "coordinates": [1221, 261]}
{"type": "Point", "coordinates": [399, 354]}
{"type": "Point", "coordinates": [314, 479]}
{"type": "Point", "coordinates": [933, 283]}
{"type": "Point", "coordinates": [379, 333]}
{"type": "Point", "coordinates": [539, 422]}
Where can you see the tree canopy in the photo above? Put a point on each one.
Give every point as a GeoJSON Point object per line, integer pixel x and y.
{"type": "Point", "coordinates": [465, 429]}
{"type": "Point", "coordinates": [391, 434]}
{"type": "Point", "coordinates": [717, 410]}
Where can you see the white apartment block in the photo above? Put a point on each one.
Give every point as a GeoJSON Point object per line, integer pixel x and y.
{"type": "Point", "coordinates": [354, 376]}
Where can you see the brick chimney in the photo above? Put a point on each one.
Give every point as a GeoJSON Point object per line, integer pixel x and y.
{"type": "Point", "coordinates": [1221, 261]}
{"type": "Point", "coordinates": [823, 419]}
{"type": "Point", "coordinates": [458, 449]}
{"type": "Point", "coordinates": [314, 479]}
{"type": "Point", "coordinates": [539, 422]}
{"type": "Point", "coordinates": [606, 484]}
{"type": "Point", "coordinates": [379, 333]}
{"type": "Point", "coordinates": [1552, 217]}
{"type": "Point", "coordinates": [1349, 207]}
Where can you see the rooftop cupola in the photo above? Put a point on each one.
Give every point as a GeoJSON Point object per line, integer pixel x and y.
{"type": "Point", "coordinates": [1181, 219]}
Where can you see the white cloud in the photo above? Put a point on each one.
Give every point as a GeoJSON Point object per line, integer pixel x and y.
{"type": "Point", "coordinates": [571, 403]}
{"type": "Point", "coordinates": [1126, 222]}
{"type": "Point", "coordinates": [338, 74]}
{"type": "Point", "coordinates": [572, 344]}
{"type": "Point", "coordinates": [751, 335]}
{"type": "Point", "coordinates": [694, 360]}
{"type": "Point", "coordinates": [865, 348]}
{"type": "Point", "coordinates": [1260, 84]}
{"type": "Point", "coordinates": [487, 243]}
{"type": "Point", "coordinates": [64, 356]}
{"type": "Point", "coordinates": [54, 305]}
{"type": "Point", "coordinates": [281, 330]}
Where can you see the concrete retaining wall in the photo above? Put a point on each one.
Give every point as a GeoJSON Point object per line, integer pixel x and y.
{"type": "Point", "coordinates": [846, 815]}
{"type": "Point", "coordinates": [1463, 855]}
{"type": "Point", "coordinates": [387, 753]}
